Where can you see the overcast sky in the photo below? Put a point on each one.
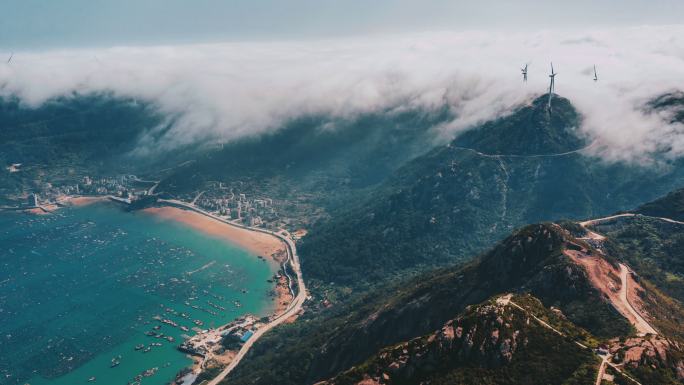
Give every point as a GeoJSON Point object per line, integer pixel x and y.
{"type": "Point", "coordinates": [37, 24]}
{"type": "Point", "coordinates": [226, 69]}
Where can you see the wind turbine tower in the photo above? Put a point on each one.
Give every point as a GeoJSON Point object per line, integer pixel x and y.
{"type": "Point", "coordinates": [595, 75]}
{"type": "Point", "coordinates": [552, 84]}
{"type": "Point", "coordinates": [524, 73]}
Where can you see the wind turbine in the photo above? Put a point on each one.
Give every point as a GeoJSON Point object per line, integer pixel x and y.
{"type": "Point", "coordinates": [524, 73]}
{"type": "Point", "coordinates": [552, 85]}
{"type": "Point", "coordinates": [595, 75]}
{"type": "Point", "coordinates": [10, 58]}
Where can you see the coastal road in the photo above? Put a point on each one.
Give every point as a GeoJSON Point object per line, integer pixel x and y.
{"type": "Point", "coordinates": [294, 307]}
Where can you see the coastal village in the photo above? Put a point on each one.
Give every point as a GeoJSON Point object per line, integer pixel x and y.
{"type": "Point", "coordinates": [225, 202]}
{"type": "Point", "coordinates": [211, 348]}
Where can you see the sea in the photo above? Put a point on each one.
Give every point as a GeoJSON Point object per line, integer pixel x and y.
{"type": "Point", "coordinates": [81, 288]}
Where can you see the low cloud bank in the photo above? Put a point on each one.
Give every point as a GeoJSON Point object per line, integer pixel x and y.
{"type": "Point", "coordinates": [225, 91]}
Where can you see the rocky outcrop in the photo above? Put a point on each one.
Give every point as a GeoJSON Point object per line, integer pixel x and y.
{"type": "Point", "coordinates": [653, 352]}
{"type": "Point", "coordinates": [488, 336]}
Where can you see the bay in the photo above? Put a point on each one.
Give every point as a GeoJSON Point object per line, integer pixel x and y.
{"type": "Point", "coordinates": [79, 290]}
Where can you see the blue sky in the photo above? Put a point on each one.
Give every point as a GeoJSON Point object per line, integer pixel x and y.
{"type": "Point", "coordinates": [36, 24]}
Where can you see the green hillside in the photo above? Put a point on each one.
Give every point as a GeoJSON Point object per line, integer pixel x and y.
{"type": "Point", "coordinates": [316, 155]}
{"type": "Point", "coordinates": [68, 137]}
{"type": "Point", "coordinates": [453, 202]}
{"type": "Point", "coordinates": [530, 261]}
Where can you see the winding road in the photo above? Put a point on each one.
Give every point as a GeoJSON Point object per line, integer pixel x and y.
{"type": "Point", "coordinates": [642, 326]}
{"type": "Point", "coordinates": [639, 322]}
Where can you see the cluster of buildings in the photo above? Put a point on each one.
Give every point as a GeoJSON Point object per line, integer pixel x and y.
{"type": "Point", "coordinates": [207, 343]}
{"type": "Point", "coordinates": [127, 187]}
{"type": "Point", "coordinates": [123, 186]}
{"type": "Point", "coordinates": [251, 212]}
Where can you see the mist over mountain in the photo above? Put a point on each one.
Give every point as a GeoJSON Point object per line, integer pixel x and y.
{"type": "Point", "coordinates": [224, 91]}
{"type": "Point", "coordinates": [65, 138]}
{"type": "Point", "coordinates": [460, 198]}
{"type": "Point", "coordinates": [259, 192]}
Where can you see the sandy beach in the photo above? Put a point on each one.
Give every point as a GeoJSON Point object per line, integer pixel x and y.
{"type": "Point", "coordinates": [83, 201]}
{"type": "Point", "coordinates": [260, 244]}
{"type": "Point", "coordinates": [271, 248]}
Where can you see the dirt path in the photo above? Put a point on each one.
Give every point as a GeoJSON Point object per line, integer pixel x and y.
{"type": "Point", "coordinates": [602, 369]}
{"type": "Point", "coordinates": [600, 271]}
{"type": "Point", "coordinates": [605, 359]}
{"type": "Point", "coordinates": [554, 155]}
{"type": "Point", "coordinates": [640, 323]}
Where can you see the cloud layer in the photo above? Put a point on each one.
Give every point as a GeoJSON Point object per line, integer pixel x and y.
{"type": "Point", "coordinates": [225, 91]}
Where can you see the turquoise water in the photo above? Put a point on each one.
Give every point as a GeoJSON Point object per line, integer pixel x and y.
{"type": "Point", "coordinates": [81, 287]}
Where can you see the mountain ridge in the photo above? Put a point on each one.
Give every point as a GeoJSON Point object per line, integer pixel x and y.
{"type": "Point", "coordinates": [453, 202]}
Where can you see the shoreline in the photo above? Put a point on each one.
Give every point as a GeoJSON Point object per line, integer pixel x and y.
{"type": "Point", "coordinates": [259, 244]}
{"type": "Point", "coordinates": [264, 246]}
{"type": "Point", "coordinates": [267, 247]}
{"type": "Point", "coordinates": [83, 200]}
{"type": "Point", "coordinates": [288, 292]}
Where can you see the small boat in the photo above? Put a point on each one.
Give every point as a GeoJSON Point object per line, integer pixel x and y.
{"type": "Point", "coordinates": [184, 328]}
{"type": "Point", "coordinates": [139, 347]}
{"type": "Point", "coordinates": [92, 379]}
{"type": "Point", "coordinates": [115, 363]}
{"type": "Point", "coordinates": [147, 349]}
{"type": "Point", "coordinates": [169, 322]}
{"type": "Point", "coordinates": [150, 372]}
